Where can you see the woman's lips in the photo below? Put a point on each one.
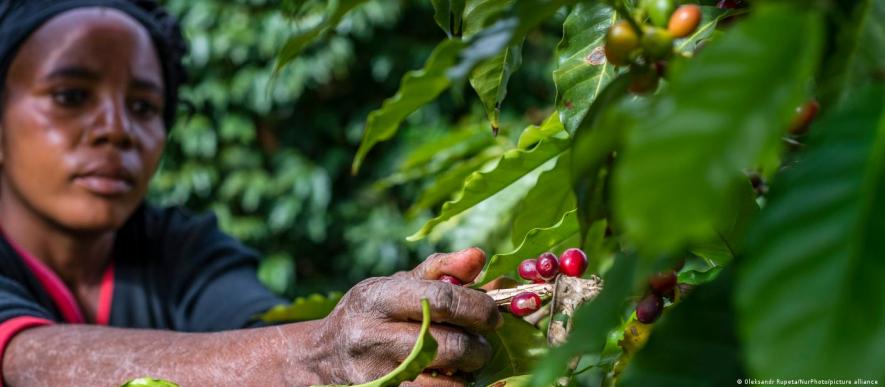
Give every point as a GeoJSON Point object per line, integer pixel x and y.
{"type": "Point", "coordinates": [104, 185]}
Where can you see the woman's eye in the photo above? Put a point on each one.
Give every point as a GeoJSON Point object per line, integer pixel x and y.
{"type": "Point", "coordinates": [144, 108]}
{"type": "Point", "coordinates": [69, 97]}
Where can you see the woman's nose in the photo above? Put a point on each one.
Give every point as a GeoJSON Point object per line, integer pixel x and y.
{"type": "Point", "coordinates": [112, 125]}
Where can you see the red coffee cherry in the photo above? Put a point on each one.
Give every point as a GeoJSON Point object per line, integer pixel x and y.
{"type": "Point", "coordinates": [573, 262]}
{"type": "Point", "coordinates": [450, 279]}
{"type": "Point", "coordinates": [662, 283]}
{"type": "Point", "coordinates": [528, 270]}
{"type": "Point", "coordinates": [649, 309]}
{"type": "Point", "coordinates": [620, 42]}
{"type": "Point", "coordinates": [731, 4]}
{"type": "Point", "coordinates": [525, 303]}
{"type": "Point", "coordinates": [548, 266]}
{"type": "Point", "coordinates": [643, 80]}
{"type": "Point", "coordinates": [804, 116]}
{"type": "Point", "coordinates": [685, 20]}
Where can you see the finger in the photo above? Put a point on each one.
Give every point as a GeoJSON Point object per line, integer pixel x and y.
{"type": "Point", "coordinates": [457, 349]}
{"type": "Point", "coordinates": [456, 305]}
{"type": "Point", "coordinates": [464, 265]}
{"type": "Point", "coordinates": [435, 379]}
{"type": "Point", "coordinates": [501, 282]}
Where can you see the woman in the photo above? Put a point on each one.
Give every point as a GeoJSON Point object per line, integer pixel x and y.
{"type": "Point", "coordinates": [97, 287]}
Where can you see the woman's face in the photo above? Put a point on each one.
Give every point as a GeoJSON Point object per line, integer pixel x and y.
{"type": "Point", "coordinates": [82, 128]}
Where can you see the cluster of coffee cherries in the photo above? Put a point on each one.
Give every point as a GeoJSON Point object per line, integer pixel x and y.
{"type": "Point", "coordinates": [646, 47]}
{"type": "Point", "coordinates": [644, 40]}
{"type": "Point", "coordinates": [544, 269]}
{"type": "Point", "coordinates": [660, 285]}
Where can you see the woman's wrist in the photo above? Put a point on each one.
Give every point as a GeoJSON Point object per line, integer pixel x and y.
{"type": "Point", "coordinates": [306, 353]}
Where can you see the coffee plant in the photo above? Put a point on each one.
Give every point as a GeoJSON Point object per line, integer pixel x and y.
{"type": "Point", "coordinates": [671, 120]}
{"type": "Point", "coordinates": [721, 163]}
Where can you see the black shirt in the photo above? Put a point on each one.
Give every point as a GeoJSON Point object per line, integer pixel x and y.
{"type": "Point", "coordinates": [171, 270]}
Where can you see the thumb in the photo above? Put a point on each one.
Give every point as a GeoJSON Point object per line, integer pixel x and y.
{"type": "Point", "coordinates": [464, 265]}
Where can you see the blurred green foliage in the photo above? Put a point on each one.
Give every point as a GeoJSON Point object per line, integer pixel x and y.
{"type": "Point", "coordinates": [271, 156]}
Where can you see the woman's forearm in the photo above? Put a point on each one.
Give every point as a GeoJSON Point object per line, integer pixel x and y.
{"type": "Point", "coordinates": [57, 355]}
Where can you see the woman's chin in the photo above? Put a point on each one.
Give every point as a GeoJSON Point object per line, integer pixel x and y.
{"type": "Point", "coordinates": [97, 216]}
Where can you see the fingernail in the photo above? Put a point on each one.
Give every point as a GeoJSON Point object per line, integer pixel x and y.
{"type": "Point", "coordinates": [477, 249]}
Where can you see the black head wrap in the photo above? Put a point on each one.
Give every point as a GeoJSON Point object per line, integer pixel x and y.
{"type": "Point", "coordinates": [20, 18]}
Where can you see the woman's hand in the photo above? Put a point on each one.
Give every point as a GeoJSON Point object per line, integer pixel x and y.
{"type": "Point", "coordinates": [376, 323]}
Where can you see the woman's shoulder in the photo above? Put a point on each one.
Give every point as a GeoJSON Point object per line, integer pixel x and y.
{"type": "Point", "coordinates": [175, 231]}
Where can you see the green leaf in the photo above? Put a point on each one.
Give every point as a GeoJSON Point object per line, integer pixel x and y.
{"type": "Point", "coordinates": [149, 382]}
{"type": "Point", "coordinates": [448, 15]}
{"type": "Point", "coordinates": [599, 250]}
{"type": "Point", "coordinates": [416, 89]}
{"type": "Point", "coordinates": [451, 180]}
{"type": "Point", "coordinates": [857, 43]}
{"type": "Point", "coordinates": [714, 252]}
{"type": "Point", "coordinates": [486, 44]}
{"type": "Point", "coordinates": [422, 354]}
{"type": "Point", "coordinates": [558, 237]}
{"type": "Point", "coordinates": [490, 78]}
{"type": "Point", "coordinates": [312, 307]}
{"type": "Point", "coordinates": [516, 347]}
{"type": "Point", "coordinates": [583, 71]}
{"type": "Point", "coordinates": [695, 277]}
{"type": "Point", "coordinates": [454, 145]}
{"type": "Point", "coordinates": [810, 292]}
{"type": "Point", "coordinates": [593, 321]}
{"type": "Point", "coordinates": [728, 243]}
{"type": "Point", "coordinates": [335, 10]}
{"type": "Point", "coordinates": [596, 139]}
{"type": "Point", "coordinates": [488, 220]}
{"type": "Point", "coordinates": [695, 344]}
{"type": "Point", "coordinates": [492, 40]}
{"type": "Point", "coordinates": [438, 154]}
{"type": "Point", "coordinates": [545, 203]}
{"type": "Point", "coordinates": [479, 14]}
{"type": "Point", "coordinates": [532, 13]}
{"type": "Point", "coordinates": [724, 110]}
{"type": "Point", "coordinates": [515, 164]}
{"type": "Point", "coordinates": [732, 231]}
{"type": "Point", "coordinates": [535, 133]}
{"type": "Point", "coordinates": [868, 63]}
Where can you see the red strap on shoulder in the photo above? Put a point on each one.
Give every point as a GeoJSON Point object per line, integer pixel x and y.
{"type": "Point", "coordinates": [105, 296]}
{"type": "Point", "coordinates": [62, 297]}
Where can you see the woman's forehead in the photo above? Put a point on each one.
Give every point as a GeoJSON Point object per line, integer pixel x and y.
{"type": "Point", "coordinates": [93, 36]}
